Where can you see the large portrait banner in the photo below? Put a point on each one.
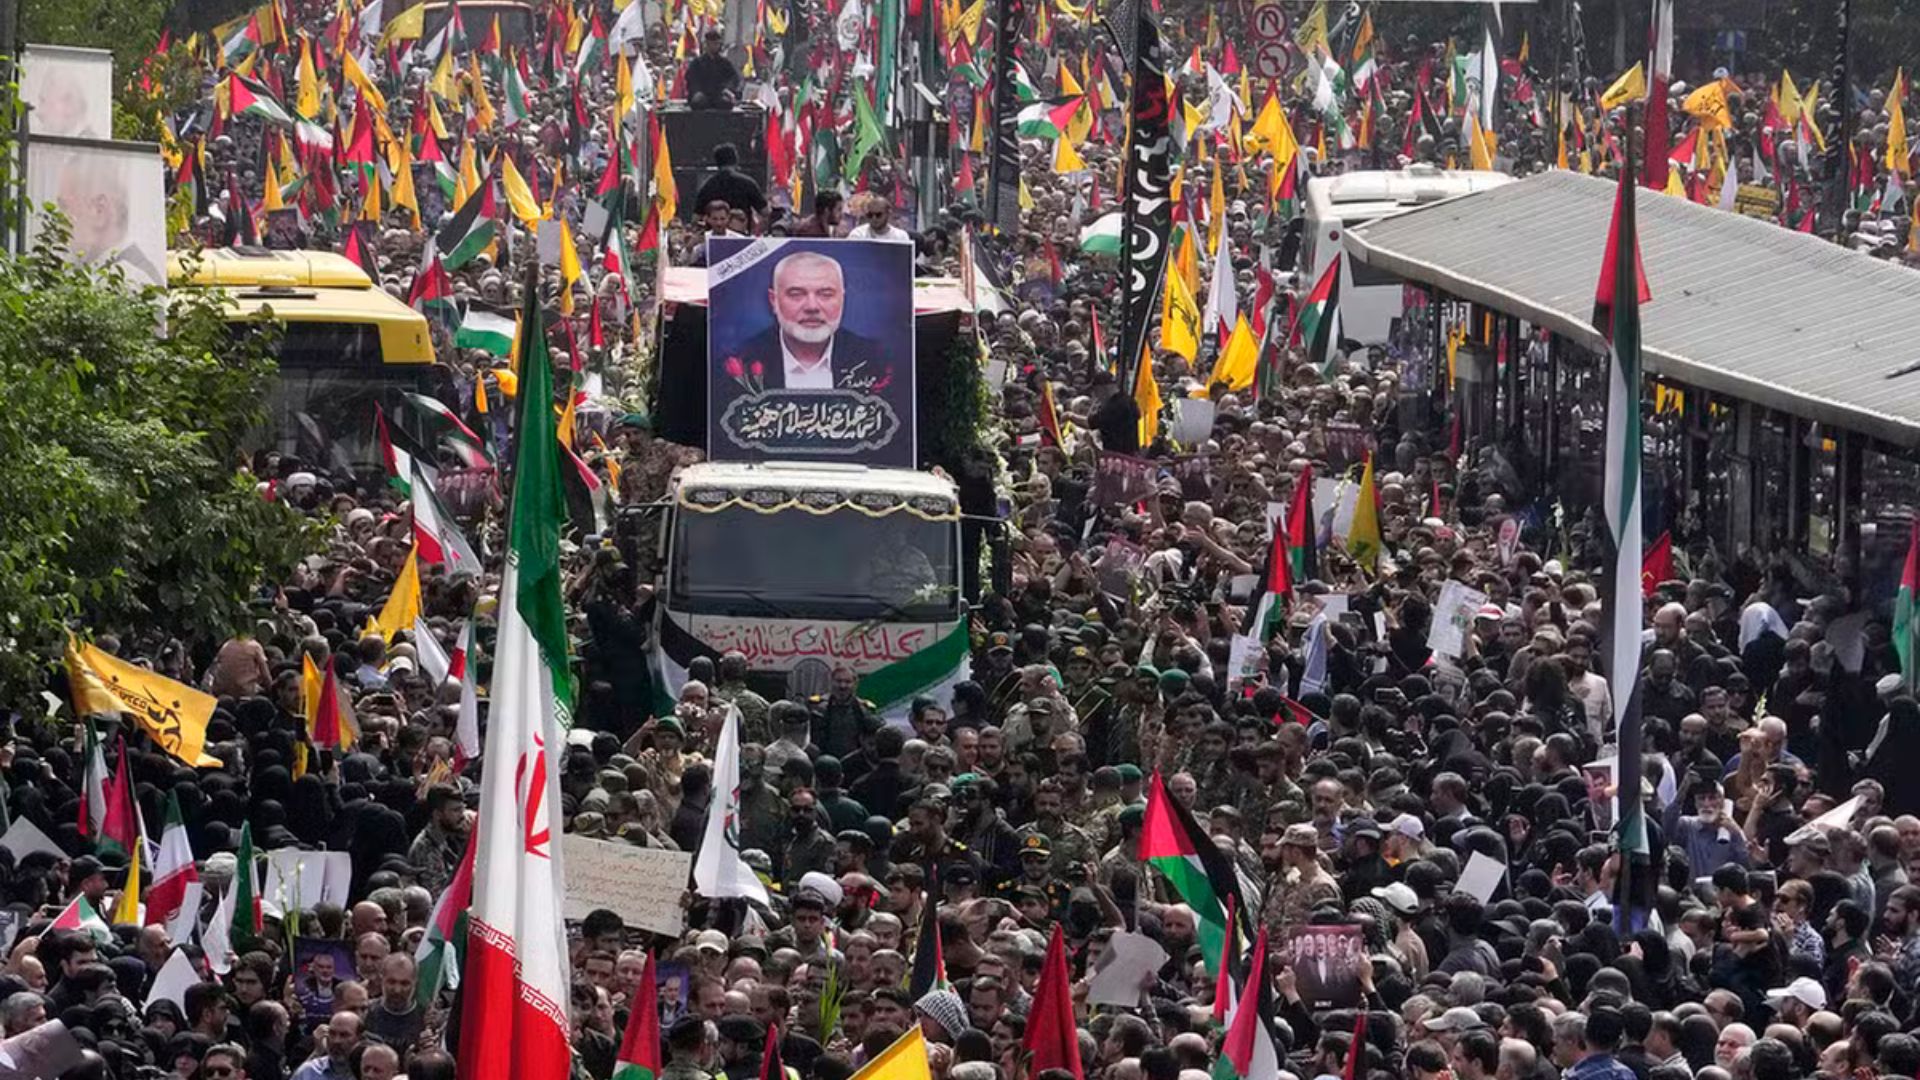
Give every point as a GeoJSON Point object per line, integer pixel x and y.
{"type": "Point", "coordinates": [810, 351]}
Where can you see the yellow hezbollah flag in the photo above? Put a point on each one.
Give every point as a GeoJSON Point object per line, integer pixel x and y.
{"type": "Point", "coordinates": [1787, 96]}
{"type": "Point", "coordinates": [1629, 87]}
{"type": "Point", "coordinates": [307, 101]}
{"type": "Point", "coordinates": [376, 101]}
{"type": "Point", "coordinates": [1146, 394]}
{"type": "Point", "coordinates": [402, 193]}
{"type": "Point", "coordinates": [1897, 125]}
{"type": "Point", "coordinates": [270, 190]}
{"type": "Point", "coordinates": [405, 26]}
{"type": "Point", "coordinates": [1066, 159]}
{"type": "Point", "coordinates": [172, 714]}
{"type": "Point", "coordinates": [126, 910]}
{"type": "Point", "coordinates": [1216, 209]}
{"type": "Point", "coordinates": [519, 195]}
{"type": "Point", "coordinates": [311, 683]}
{"type": "Point", "coordinates": [906, 1059]}
{"type": "Point", "coordinates": [403, 603]}
{"type": "Point", "coordinates": [1179, 320]}
{"type": "Point", "coordinates": [1239, 359]}
{"type": "Point", "coordinates": [1709, 105]}
{"type": "Point", "coordinates": [569, 268]}
{"type": "Point", "coordinates": [90, 695]}
{"type": "Point", "coordinates": [1363, 536]}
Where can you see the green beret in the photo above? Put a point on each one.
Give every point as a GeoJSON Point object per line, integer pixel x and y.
{"type": "Point", "coordinates": [637, 420]}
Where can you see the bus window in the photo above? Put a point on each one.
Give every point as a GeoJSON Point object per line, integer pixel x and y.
{"type": "Point", "coordinates": [330, 345]}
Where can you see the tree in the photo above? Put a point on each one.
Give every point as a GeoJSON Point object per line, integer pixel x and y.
{"type": "Point", "coordinates": [127, 508]}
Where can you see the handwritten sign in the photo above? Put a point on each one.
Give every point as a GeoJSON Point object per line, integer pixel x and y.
{"type": "Point", "coordinates": [824, 422]}
{"type": "Point", "coordinates": [641, 885]}
{"type": "Point", "coordinates": [1453, 618]}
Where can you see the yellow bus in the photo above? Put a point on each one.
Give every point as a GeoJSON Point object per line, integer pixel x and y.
{"type": "Point", "coordinates": [345, 345]}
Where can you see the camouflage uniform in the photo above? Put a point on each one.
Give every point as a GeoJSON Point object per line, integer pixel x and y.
{"type": "Point", "coordinates": [1071, 845]}
{"type": "Point", "coordinates": [755, 725]}
{"type": "Point", "coordinates": [1290, 900]}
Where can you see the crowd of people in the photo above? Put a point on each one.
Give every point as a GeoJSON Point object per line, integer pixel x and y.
{"type": "Point", "coordinates": [1347, 774]}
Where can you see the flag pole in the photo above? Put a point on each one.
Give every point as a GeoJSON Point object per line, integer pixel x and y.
{"type": "Point", "coordinates": [1624, 600]}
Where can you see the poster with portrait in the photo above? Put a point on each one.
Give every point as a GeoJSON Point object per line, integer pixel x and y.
{"type": "Point", "coordinates": [68, 91]}
{"type": "Point", "coordinates": [114, 199]}
{"type": "Point", "coordinates": [1322, 959]}
{"type": "Point", "coordinates": [810, 351]}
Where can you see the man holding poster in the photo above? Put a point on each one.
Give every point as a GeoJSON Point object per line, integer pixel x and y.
{"type": "Point", "coordinates": [797, 372]}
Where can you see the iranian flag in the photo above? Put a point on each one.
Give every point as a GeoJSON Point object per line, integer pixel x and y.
{"type": "Point", "coordinates": [173, 871]}
{"type": "Point", "coordinates": [1905, 625]}
{"type": "Point", "coordinates": [514, 1023]}
{"type": "Point", "coordinates": [80, 915]}
{"type": "Point", "coordinates": [438, 958]}
{"type": "Point", "coordinates": [93, 804]}
{"type": "Point", "coordinates": [640, 1047]}
{"type": "Point", "coordinates": [1174, 844]}
{"type": "Point", "coordinates": [120, 829]}
{"type": "Point", "coordinates": [466, 727]}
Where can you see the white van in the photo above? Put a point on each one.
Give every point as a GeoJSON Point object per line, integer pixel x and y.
{"type": "Point", "coordinates": [1370, 299]}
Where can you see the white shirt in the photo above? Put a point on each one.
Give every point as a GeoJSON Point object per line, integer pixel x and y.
{"type": "Point", "coordinates": [801, 376]}
{"type": "Point", "coordinates": [865, 231]}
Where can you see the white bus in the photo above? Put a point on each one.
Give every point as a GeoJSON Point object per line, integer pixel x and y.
{"type": "Point", "coordinates": [1370, 299]}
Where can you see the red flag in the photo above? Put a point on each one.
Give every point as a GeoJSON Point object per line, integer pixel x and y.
{"type": "Point", "coordinates": [334, 727]}
{"type": "Point", "coordinates": [771, 1067]}
{"type": "Point", "coordinates": [1657, 565]}
{"type": "Point", "coordinates": [1358, 1047]}
{"type": "Point", "coordinates": [122, 825]}
{"type": "Point", "coordinates": [1295, 712]}
{"type": "Point", "coordinates": [1051, 1036]}
{"type": "Point", "coordinates": [1223, 984]}
{"type": "Point", "coordinates": [1049, 414]}
{"type": "Point", "coordinates": [1238, 1047]}
{"type": "Point", "coordinates": [641, 1044]}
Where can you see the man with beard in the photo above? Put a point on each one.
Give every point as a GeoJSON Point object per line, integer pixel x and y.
{"type": "Point", "coordinates": [807, 348]}
{"type": "Point", "coordinates": [1037, 878]}
{"type": "Point", "coordinates": [986, 832]}
{"type": "Point", "coordinates": [809, 847]}
{"type": "Point", "coordinates": [841, 721]}
{"type": "Point", "coordinates": [1071, 845]}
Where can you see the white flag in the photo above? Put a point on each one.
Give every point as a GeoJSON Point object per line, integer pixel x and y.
{"type": "Point", "coordinates": [718, 872]}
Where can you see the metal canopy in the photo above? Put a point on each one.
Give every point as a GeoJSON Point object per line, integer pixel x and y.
{"type": "Point", "coordinates": [1740, 305]}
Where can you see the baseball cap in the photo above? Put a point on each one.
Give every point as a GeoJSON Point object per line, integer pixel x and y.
{"type": "Point", "coordinates": [712, 940]}
{"type": "Point", "coordinates": [1399, 896]}
{"type": "Point", "coordinates": [1458, 1018]}
{"type": "Point", "coordinates": [1808, 991]}
{"type": "Point", "coordinates": [1408, 825]}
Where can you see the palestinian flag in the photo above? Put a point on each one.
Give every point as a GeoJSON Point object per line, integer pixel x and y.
{"type": "Point", "coordinates": [486, 331]}
{"type": "Point", "coordinates": [438, 955]}
{"type": "Point", "coordinates": [1037, 122]}
{"type": "Point", "coordinates": [239, 39]}
{"type": "Point", "coordinates": [334, 726]}
{"type": "Point", "coordinates": [80, 915]}
{"type": "Point", "coordinates": [1905, 625]}
{"type": "Point", "coordinates": [1302, 536]}
{"type": "Point", "coordinates": [173, 869]}
{"type": "Point", "coordinates": [458, 433]}
{"type": "Point", "coordinates": [1621, 290]}
{"type": "Point", "coordinates": [929, 961]}
{"type": "Point", "coordinates": [360, 250]}
{"type": "Point", "coordinates": [1315, 326]}
{"type": "Point", "coordinates": [1250, 1051]}
{"type": "Point", "coordinates": [1275, 593]}
{"type": "Point", "coordinates": [469, 233]}
{"type": "Point", "coordinates": [432, 293]}
{"type": "Point", "coordinates": [1103, 236]}
{"type": "Point", "coordinates": [640, 1047]}
{"type": "Point", "coordinates": [1174, 844]}
{"type": "Point", "coordinates": [248, 98]}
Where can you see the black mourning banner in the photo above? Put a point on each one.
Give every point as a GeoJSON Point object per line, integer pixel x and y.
{"type": "Point", "coordinates": [1147, 211]}
{"type": "Point", "coordinates": [1003, 176]}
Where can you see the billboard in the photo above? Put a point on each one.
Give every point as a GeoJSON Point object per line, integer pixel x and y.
{"type": "Point", "coordinates": [810, 351]}
{"type": "Point", "coordinates": [114, 198]}
{"type": "Point", "coordinates": [68, 91]}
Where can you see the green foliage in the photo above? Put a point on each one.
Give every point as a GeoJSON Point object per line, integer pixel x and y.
{"type": "Point", "coordinates": [129, 29]}
{"type": "Point", "coordinates": [960, 408]}
{"type": "Point", "coordinates": [127, 509]}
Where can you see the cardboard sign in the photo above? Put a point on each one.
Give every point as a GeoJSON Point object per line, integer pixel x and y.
{"type": "Point", "coordinates": [299, 880]}
{"type": "Point", "coordinates": [641, 885]}
{"type": "Point", "coordinates": [1756, 200]}
{"type": "Point", "coordinates": [1453, 619]}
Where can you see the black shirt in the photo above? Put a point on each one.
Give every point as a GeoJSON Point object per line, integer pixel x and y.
{"type": "Point", "coordinates": [710, 76]}
{"type": "Point", "coordinates": [734, 188]}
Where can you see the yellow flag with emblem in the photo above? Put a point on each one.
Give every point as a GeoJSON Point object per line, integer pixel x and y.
{"type": "Point", "coordinates": [270, 190]}
{"type": "Point", "coordinates": [1146, 394]}
{"type": "Point", "coordinates": [1631, 86]}
{"type": "Point", "coordinates": [1709, 105]}
{"type": "Point", "coordinates": [1240, 359]}
{"type": "Point", "coordinates": [403, 603]}
{"type": "Point", "coordinates": [403, 193]}
{"type": "Point", "coordinates": [405, 26]}
{"type": "Point", "coordinates": [307, 92]}
{"type": "Point", "coordinates": [1216, 208]}
{"type": "Point", "coordinates": [173, 714]}
{"type": "Point", "coordinates": [1179, 320]}
{"type": "Point", "coordinates": [1066, 159]}
{"type": "Point", "coordinates": [569, 268]}
{"type": "Point", "coordinates": [350, 67]}
{"type": "Point", "coordinates": [968, 24]}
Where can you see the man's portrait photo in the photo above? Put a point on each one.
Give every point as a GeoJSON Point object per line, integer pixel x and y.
{"type": "Point", "coordinates": [114, 199]}
{"type": "Point", "coordinates": [810, 347]}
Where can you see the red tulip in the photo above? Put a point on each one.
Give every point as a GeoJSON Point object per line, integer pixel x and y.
{"type": "Point", "coordinates": [759, 370]}
{"type": "Point", "coordinates": [734, 371]}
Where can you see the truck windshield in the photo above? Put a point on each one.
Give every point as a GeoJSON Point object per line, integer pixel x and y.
{"type": "Point", "coordinates": [795, 564]}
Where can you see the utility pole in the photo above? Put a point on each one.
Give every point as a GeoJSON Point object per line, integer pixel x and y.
{"type": "Point", "coordinates": [1840, 132]}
